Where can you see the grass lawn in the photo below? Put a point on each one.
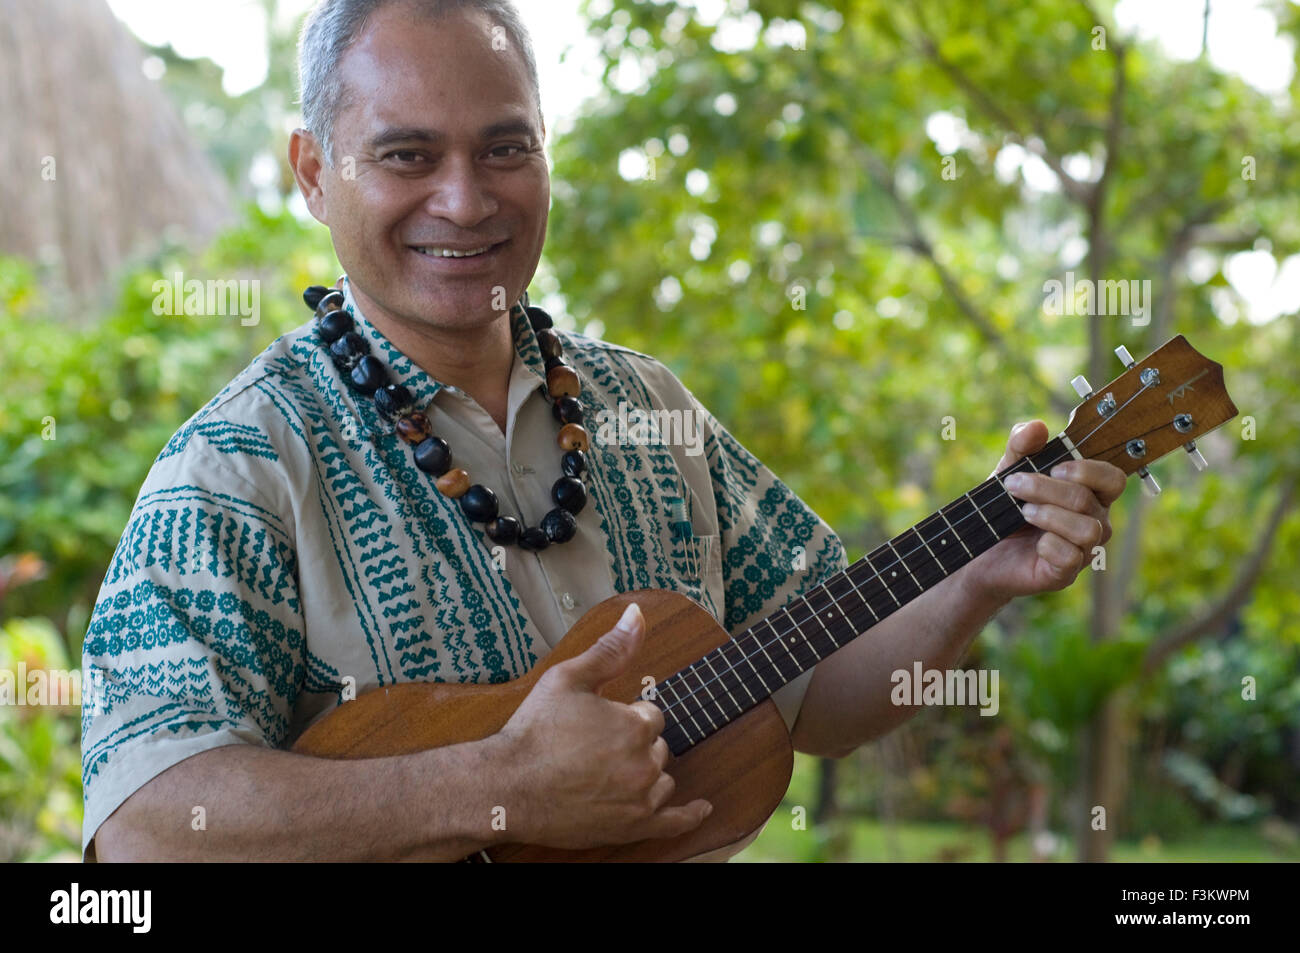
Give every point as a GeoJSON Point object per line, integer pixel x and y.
{"type": "Point", "coordinates": [870, 840]}
{"type": "Point", "coordinates": [867, 839]}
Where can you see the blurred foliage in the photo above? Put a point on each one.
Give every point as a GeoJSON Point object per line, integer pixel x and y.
{"type": "Point", "coordinates": [772, 221]}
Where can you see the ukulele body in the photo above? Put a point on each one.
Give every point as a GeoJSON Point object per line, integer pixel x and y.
{"type": "Point", "coordinates": [743, 770]}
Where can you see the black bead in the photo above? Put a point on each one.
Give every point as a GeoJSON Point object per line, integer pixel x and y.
{"type": "Point", "coordinates": [313, 294]}
{"type": "Point", "coordinates": [348, 349]}
{"type": "Point", "coordinates": [559, 525]}
{"type": "Point", "coordinates": [504, 530]}
{"type": "Point", "coordinates": [569, 493]}
{"type": "Point", "coordinates": [394, 400]}
{"type": "Point", "coordinates": [479, 504]}
{"type": "Point", "coordinates": [369, 375]}
{"type": "Point", "coordinates": [331, 302]}
{"type": "Point", "coordinates": [539, 319]}
{"type": "Point", "coordinates": [334, 325]}
{"type": "Point", "coordinates": [533, 538]}
{"type": "Point", "coordinates": [432, 455]}
{"type": "Point", "coordinates": [556, 362]}
{"type": "Point", "coordinates": [573, 463]}
{"type": "Point", "coordinates": [567, 410]}
{"type": "Point", "coordinates": [548, 342]}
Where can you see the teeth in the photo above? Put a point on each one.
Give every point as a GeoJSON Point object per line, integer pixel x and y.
{"type": "Point", "coordinates": [451, 252]}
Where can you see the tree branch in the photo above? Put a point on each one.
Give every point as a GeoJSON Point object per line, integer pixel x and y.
{"type": "Point", "coordinates": [918, 242]}
{"type": "Point", "coordinates": [1214, 618]}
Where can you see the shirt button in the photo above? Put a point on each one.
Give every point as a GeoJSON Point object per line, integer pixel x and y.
{"type": "Point", "coordinates": [566, 600]}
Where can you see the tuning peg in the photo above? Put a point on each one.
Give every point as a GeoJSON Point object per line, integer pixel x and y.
{"type": "Point", "coordinates": [1124, 356]}
{"type": "Point", "coordinates": [1149, 482]}
{"type": "Point", "coordinates": [1082, 387]}
{"type": "Point", "coordinates": [1198, 461]}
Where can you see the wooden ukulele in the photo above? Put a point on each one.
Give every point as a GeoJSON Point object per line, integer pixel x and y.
{"type": "Point", "coordinates": [730, 743]}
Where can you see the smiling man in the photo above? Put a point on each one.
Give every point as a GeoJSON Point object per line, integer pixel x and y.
{"type": "Point", "coordinates": [403, 490]}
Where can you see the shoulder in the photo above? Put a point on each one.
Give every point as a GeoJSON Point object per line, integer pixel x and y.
{"type": "Point", "coordinates": [255, 429]}
{"type": "Point", "coordinates": [599, 357]}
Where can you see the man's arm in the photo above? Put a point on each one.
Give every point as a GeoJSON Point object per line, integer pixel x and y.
{"type": "Point", "coordinates": [271, 805]}
{"type": "Point", "coordinates": [848, 701]}
{"type": "Point", "coordinates": [569, 769]}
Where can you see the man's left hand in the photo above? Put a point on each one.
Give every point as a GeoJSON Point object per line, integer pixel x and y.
{"type": "Point", "coordinates": [1068, 511]}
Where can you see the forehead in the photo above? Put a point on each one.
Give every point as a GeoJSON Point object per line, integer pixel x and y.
{"type": "Point", "coordinates": [459, 69]}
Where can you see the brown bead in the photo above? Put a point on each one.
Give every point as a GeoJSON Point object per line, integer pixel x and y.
{"type": "Point", "coordinates": [574, 437]}
{"type": "Point", "coordinates": [549, 343]}
{"type": "Point", "coordinates": [562, 382]}
{"type": "Point", "coordinates": [453, 483]}
{"type": "Point", "coordinates": [413, 428]}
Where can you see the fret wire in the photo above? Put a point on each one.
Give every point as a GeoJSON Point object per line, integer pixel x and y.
{"type": "Point", "coordinates": [931, 552]}
{"type": "Point", "coordinates": [722, 650]}
{"type": "Point", "coordinates": [873, 568]}
{"type": "Point", "coordinates": [858, 592]}
{"type": "Point", "coordinates": [799, 625]}
{"type": "Point", "coordinates": [739, 707]}
{"type": "Point", "coordinates": [956, 534]}
{"type": "Point", "coordinates": [906, 568]}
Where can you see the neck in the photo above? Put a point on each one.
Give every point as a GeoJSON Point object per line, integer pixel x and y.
{"type": "Point", "coordinates": [705, 696]}
{"type": "Point", "coordinates": [476, 360]}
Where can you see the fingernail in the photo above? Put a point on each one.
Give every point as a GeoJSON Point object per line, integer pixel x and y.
{"type": "Point", "coordinates": [1029, 510]}
{"type": "Point", "coordinates": [1017, 481]}
{"type": "Point", "coordinates": [627, 621]}
{"type": "Point", "coordinates": [1059, 472]}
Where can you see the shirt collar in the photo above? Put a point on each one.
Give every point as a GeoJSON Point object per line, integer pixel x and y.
{"type": "Point", "coordinates": [422, 385]}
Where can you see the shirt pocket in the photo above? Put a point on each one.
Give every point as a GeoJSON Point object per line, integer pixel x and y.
{"type": "Point", "coordinates": [708, 559]}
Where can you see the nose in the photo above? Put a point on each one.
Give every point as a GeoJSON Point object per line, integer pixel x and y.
{"type": "Point", "coordinates": [461, 193]}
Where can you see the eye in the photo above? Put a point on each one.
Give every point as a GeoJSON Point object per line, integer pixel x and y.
{"type": "Point", "coordinates": [404, 156]}
{"type": "Point", "coordinates": [508, 151]}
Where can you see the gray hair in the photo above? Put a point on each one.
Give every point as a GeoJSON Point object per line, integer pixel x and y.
{"type": "Point", "coordinates": [334, 25]}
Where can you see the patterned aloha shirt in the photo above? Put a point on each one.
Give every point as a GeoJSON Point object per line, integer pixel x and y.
{"type": "Point", "coordinates": [285, 551]}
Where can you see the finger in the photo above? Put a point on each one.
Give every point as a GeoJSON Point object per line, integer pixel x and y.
{"type": "Point", "coordinates": [1037, 488]}
{"type": "Point", "coordinates": [1064, 559]}
{"type": "Point", "coordinates": [1026, 438]}
{"type": "Point", "coordinates": [610, 655]}
{"type": "Point", "coordinates": [651, 719]}
{"type": "Point", "coordinates": [661, 753]}
{"type": "Point", "coordinates": [1078, 529]}
{"type": "Point", "coordinates": [662, 791]}
{"type": "Point", "coordinates": [1104, 479]}
{"type": "Point", "coordinates": [673, 821]}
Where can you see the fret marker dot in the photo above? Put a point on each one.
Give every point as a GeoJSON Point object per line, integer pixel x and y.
{"type": "Point", "coordinates": [893, 574]}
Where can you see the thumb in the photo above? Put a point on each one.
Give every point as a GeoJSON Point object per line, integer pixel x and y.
{"type": "Point", "coordinates": [610, 654]}
{"type": "Point", "coordinates": [1025, 439]}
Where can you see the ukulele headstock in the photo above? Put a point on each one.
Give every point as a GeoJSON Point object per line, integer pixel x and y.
{"type": "Point", "coordinates": [1157, 405]}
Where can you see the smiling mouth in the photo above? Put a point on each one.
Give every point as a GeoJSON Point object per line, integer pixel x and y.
{"type": "Point", "coordinates": [437, 251]}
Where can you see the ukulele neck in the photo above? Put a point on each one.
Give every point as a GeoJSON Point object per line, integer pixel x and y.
{"type": "Point", "coordinates": [709, 694]}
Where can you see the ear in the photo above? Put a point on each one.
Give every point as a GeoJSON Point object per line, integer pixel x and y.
{"type": "Point", "coordinates": [308, 163]}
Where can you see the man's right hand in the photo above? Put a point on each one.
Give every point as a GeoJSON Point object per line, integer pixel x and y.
{"type": "Point", "coordinates": [590, 771]}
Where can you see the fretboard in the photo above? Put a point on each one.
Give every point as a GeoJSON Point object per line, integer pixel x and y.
{"type": "Point", "coordinates": [730, 680]}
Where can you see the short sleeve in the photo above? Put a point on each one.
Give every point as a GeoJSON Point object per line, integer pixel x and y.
{"type": "Point", "coordinates": [196, 640]}
{"type": "Point", "coordinates": [774, 546]}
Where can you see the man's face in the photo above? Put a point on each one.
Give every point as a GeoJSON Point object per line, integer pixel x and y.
{"type": "Point", "coordinates": [437, 147]}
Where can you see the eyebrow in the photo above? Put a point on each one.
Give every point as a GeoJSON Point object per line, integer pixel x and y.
{"type": "Point", "coordinates": [396, 134]}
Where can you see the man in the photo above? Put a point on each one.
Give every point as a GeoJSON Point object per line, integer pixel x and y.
{"type": "Point", "coordinates": [289, 550]}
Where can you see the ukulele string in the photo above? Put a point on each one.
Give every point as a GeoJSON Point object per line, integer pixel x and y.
{"type": "Point", "coordinates": [978, 510]}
